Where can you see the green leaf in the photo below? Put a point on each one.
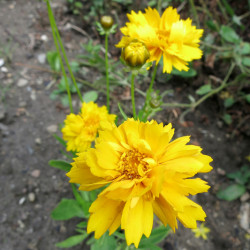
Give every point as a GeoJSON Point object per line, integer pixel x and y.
{"type": "Point", "coordinates": [232, 192]}
{"type": "Point", "coordinates": [74, 66]}
{"type": "Point", "coordinates": [229, 34]}
{"type": "Point", "coordinates": [82, 224]}
{"type": "Point", "coordinates": [244, 48]}
{"type": "Point", "coordinates": [227, 119]}
{"type": "Point", "coordinates": [246, 61]}
{"type": "Point", "coordinates": [106, 242]}
{"type": "Point", "coordinates": [54, 60]}
{"type": "Point", "coordinates": [228, 102]}
{"type": "Point", "coordinates": [211, 24]}
{"type": "Point", "coordinates": [186, 74]}
{"type": "Point", "coordinates": [90, 96]}
{"type": "Point", "coordinates": [64, 100]}
{"type": "Point", "coordinates": [67, 209]}
{"type": "Point", "coordinates": [72, 241]}
{"type": "Point", "coordinates": [247, 97]}
{"type": "Point", "coordinates": [63, 165]}
{"type": "Point", "coordinates": [122, 112]}
{"type": "Point", "coordinates": [229, 10]}
{"type": "Point", "coordinates": [157, 235]}
{"type": "Point", "coordinates": [60, 140]}
{"type": "Point", "coordinates": [204, 89]}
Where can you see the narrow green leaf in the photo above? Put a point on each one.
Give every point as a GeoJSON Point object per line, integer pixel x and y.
{"type": "Point", "coordinates": [72, 241]}
{"type": "Point", "coordinates": [63, 165]}
{"type": "Point", "coordinates": [60, 140]}
{"type": "Point", "coordinates": [204, 89]}
{"type": "Point", "coordinates": [227, 119]}
{"type": "Point", "coordinates": [106, 242]}
{"type": "Point", "coordinates": [67, 209]}
{"type": "Point", "coordinates": [244, 48]}
{"type": "Point", "coordinates": [211, 25]}
{"type": "Point", "coordinates": [247, 97]}
{"type": "Point", "coordinates": [185, 74]}
{"type": "Point", "coordinates": [82, 224]}
{"type": "Point", "coordinates": [228, 102]}
{"type": "Point", "coordinates": [122, 112]}
{"type": "Point", "coordinates": [229, 34]}
{"type": "Point", "coordinates": [157, 235]}
{"type": "Point", "coordinates": [230, 11]}
{"type": "Point", "coordinates": [232, 192]}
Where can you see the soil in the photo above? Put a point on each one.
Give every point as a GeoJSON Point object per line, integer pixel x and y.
{"type": "Point", "coordinates": [30, 188]}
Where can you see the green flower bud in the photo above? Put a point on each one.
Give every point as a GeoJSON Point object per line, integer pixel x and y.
{"type": "Point", "coordinates": [135, 54]}
{"type": "Point", "coordinates": [107, 22]}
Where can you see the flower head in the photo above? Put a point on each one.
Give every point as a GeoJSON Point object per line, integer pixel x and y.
{"type": "Point", "coordinates": [81, 130]}
{"type": "Point", "coordinates": [146, 174]}
{"type": "Point", "coordinates": [201, 231]}
{"type": "Point", "coordinates": [135, 54]}
{"type": "Point", "coordinates": [168, 36]}
{"type": "Point", "coordinates": [107, 22]}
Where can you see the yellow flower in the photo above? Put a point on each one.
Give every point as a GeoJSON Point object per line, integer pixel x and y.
{"type": "Point", "coordinates": [168, 36]}
{"type": "Point", "coordinates": [201, 231]}
{"type": "Point", "coordinates": [147, 174]}
{"type": "Point", "coordinates": [81, 130]}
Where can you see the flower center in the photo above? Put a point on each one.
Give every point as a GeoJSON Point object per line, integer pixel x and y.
{"type": "Point", "coordinates": [132, 165]}
{"type": "Point", "coordinates": [163, 34]}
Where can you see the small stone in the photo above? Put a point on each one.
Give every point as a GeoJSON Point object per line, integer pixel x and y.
{"type": "Point", "coordinates": [22, 82]}
{"type": "Point", "coordinates": [221, 171]}
{"type": "Point", "coordinates": [4, 70]}
{"type": "Point", "coordinates": [33, 95]}
{"type": "Point", "coordinates": [21, 201]}
{"type": "Point", "coordinates": [52, 128]}
{"type": "Point", "coordinates": [44, 38]}
{"type": "Point", "coordinates": [31, 197]}
{"type": "Point", "coordinates": [1, 62]}
{"type": "Point", "coordinates": [41, 58]}
{"type": "Point", "coordinates": [38, 141]}
{"type": "Point", "coordinates": [21, 224]}
{"type": "Point", "coordinates": [245, 197]}
{"type": "Point", "coordinates": [35, 173]}
{"type": "Point", "coordinates": [22, 104]}
{"type": "Point", "coordinates": [2, 112]}
{"type": "Point", "coordinates": [244, 216]}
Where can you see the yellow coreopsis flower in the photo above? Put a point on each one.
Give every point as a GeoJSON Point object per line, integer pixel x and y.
{"type": "Point", "coordinates": [146, 174]}
{"type": "Point", "coordinates": [168, 36]}
{"type": "Point", "coordinates": [201, 231]}
{"type": "Point", "coordinates": [81, 130]}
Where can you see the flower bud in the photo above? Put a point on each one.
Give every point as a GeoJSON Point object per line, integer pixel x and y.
{"type": "Point", "coordinates": [107, 22]}
{"type": "Point", "coordinates": [135, 54]}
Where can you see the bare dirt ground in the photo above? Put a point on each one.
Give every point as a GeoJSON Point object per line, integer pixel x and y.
{"type": "Point", "coordinates": [30, 188]}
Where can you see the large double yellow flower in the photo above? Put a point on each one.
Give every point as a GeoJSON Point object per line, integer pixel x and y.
{"type": "Point", "coordinates": [81, 130]}
{"type": "Point", "coordinates": [168, 36]}
{"type": "Point", "coordinates": [146, 174]}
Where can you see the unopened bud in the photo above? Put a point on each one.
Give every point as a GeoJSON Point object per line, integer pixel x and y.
{"type": "Point", "coordinates": [107, 22]}
{"type": "Point", "coordinates": [135, 54]}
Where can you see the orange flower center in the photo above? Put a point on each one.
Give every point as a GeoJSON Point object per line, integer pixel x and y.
{"type": "Point", "coordinates": [132, 165]}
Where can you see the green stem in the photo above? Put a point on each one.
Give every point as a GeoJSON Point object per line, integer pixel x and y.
{"type": "Point", "coordinates": [152, 81]}
{"type": "Point", "coordinates": [63, 51]}
{"type": "Point", "coordinates": [60, 58]}
{"type": "Point", "coordinates": [133, 94]}
{"type": "Point", "coordinates": [107, 69]}
{"type": "Point", "coordinates": [194, 13]}
{"type": "Point", "coordinates": [214, 91]}
{"type": "Point", "coordinates": [159, 3]}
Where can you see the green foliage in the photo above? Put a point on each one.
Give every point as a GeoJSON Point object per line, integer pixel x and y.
{"type": "Point", "coordinates": [227, 119]}
{"type": "Point", "coordinates": [67, 209]}
{"type": "Point", "coordinates": [61, 91]}
{"type": "Point", "coordinates": [53, 59]}
{"type": "Point", "coordinates": [63, 165]}
{"type": "Point", "coordinates": [204, 89]}
{"type": "Point", "coordinates": [72, 241]}
{"type": "Point", "coordinates": [90, 96]}
{"type": "Point", "coordinates": [75, 6]}
{"type": "Point", "coordinates": [236, 190]}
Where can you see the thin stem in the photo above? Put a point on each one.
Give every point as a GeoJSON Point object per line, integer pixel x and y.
{"type": "Point", "coordinates": [133, 94]}
{"type": "Point", "coordinates": [60, 58]}
{"type": "Point", "coordinates": [64, 53]}
{"type": "Point", "coordinates": [194, 13]}
{"type": "Point", "coordinates": [153, 79]}
{"type": "Point", "coordinates": [107, 68]}
{"type": "Point", "coordinates": [214, 91]}
{"type": "Point", "coordinates": [216, 47]}
{"type": "Point", "coordinates": [159, 3]}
